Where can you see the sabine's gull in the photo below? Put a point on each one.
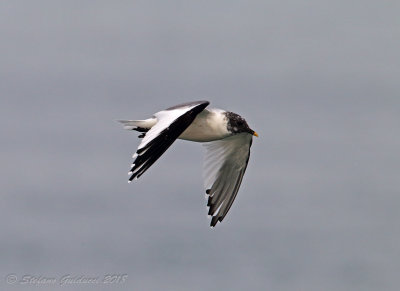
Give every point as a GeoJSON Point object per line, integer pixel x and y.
{"type": "Point", "coordinates": [225, 135]}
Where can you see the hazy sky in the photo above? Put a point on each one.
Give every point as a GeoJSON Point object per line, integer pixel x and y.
{"type": "Point", "coordinates": [319, 205]}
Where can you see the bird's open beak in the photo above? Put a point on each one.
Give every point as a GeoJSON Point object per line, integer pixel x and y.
{"type": "Point", "coordinates": [255, 133]}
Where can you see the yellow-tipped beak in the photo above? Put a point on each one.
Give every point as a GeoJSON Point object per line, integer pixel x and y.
{"type": "Point", "coordinates": [255, 133]}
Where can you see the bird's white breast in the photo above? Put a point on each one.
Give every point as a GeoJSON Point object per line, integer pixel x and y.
{"type": "Point", "coordinates": [209, 125]}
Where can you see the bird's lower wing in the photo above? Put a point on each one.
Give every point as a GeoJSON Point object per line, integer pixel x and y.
{"type": "Point", "coordinates": [225, 164]}
{"type": "Point", "coordinates": [170, 124]}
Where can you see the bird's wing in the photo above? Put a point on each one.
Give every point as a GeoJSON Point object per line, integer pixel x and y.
{"type": "Point", "coordinates": [225, 163]}
{"type": "Point", "coordinates": [170, 124]}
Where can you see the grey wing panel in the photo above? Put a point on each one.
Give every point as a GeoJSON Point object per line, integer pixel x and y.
{"type": "Point", "coordinates": [225, 165]}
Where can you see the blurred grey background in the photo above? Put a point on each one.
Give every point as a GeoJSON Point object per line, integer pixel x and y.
{"type": "Point", "coordinates": [319, 205]}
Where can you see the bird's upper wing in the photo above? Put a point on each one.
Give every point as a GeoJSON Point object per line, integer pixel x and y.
{"type": "Point", "coordinates": [225, 163]}
{"type": "Point", "coordinates": [170, 124]}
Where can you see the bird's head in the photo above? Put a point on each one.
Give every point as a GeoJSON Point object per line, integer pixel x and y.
{"type": "Point", "coordinates": [237, 124]}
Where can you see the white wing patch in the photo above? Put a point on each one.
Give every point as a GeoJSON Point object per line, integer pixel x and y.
{"type": "Point", "coordinates": [164, 119]}
{"type": "Point", "coordinates": [170, 123]}
{"type": "Point", "coordinates": [225, 163]}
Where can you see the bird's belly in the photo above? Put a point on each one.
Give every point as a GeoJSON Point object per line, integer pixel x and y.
{"type": "Point", "coordinates": [205, 128]}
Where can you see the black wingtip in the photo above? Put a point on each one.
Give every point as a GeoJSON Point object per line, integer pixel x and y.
{"type": "Point", "coordinates": [214, 221]}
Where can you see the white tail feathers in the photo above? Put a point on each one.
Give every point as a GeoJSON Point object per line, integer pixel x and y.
{"type": "Point", "coordinates": [129, 124]}
{"type": "Point", "coordinates": [133, 124]}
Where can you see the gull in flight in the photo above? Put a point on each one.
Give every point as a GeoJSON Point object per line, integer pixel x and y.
{"type": "Point", "coordinates": [225, 135]}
